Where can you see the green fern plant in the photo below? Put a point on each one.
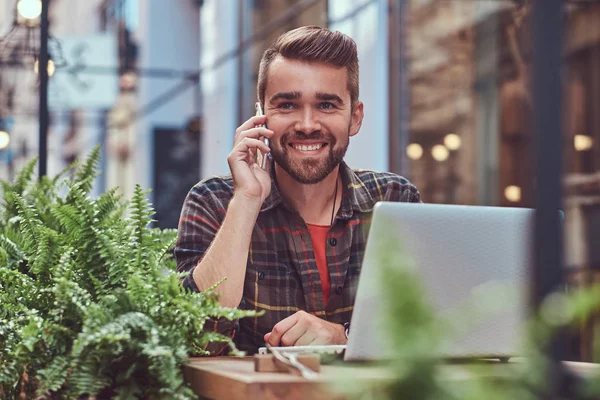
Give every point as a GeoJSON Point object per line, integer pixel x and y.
{"type": "Point", "coordinates": [90, 303]}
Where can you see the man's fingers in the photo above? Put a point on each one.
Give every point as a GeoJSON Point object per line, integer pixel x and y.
{"type": "Point", "coordinates": [317, 341]}
{"type": "Point", "coordinates": [248, 143]}
{"type": "Point", "coordinates": [310, 336]}
{"type": "Point", "coordinates": [281, 328]}
{"type": "Point", "coordinates": [306, 330]}
{"type": "Point", "coordinates": [292, 336]}
{"type": "Point", "coordinates": [251, 123]}
{"type": "Point", "coordinates": [254, 133]}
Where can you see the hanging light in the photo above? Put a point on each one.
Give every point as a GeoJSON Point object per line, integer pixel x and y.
{"type": "Point", "coordinates": [414, 151]}
{"type": "Point", "coordinates": [452, 141]}
{"type": "Point", "coordinates": [440, 153]}
{"type": "Point", "coordinates": [29, 9]}
{"type": "Point", "coordinates": [4, 140]}
{"type": "Point", "coordinates": [20, 46]}
{"type": "Point", "coordinates": [583, 142]}
{"type": "Point", "coordinates": [513, 193]}
{"type": "Point", "coordinates": [51, 67]}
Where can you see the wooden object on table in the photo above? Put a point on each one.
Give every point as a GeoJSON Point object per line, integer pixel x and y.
{"type": "Point", "coordinates": [234, 378]}
{"type": "Point", "coordinates": [268, 363]}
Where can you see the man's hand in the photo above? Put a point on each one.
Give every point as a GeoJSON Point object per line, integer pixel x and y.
{"type": "Point", "coordinates": [304, 329]}
{"type": "Point", "coordinates": [249, 179]}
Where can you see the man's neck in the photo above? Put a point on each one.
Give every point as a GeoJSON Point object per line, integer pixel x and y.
{"type": "Point", "coordinates": [314, 202]}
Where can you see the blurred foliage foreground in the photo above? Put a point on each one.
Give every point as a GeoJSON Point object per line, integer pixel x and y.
{"type": "Point", "coordinates": [90, 304]}
{"type": "Point", "coordinates": [415, 336]}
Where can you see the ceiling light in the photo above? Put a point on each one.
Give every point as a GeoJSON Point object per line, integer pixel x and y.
{"type": "Point", "coordinates": [51, 67]}
{"type": "Point", "coordinates": [414, 151]}
{"type": "Point", "coordinates": [512, 193]}
{"type": "Point", "coordinates": [4, 140]}
{"type": "Point", "coordinates": [440, 152]}
{"type": "Point", "coordinates": [452, 141]}
{"type": "Point", "coordinates": [29, 9]}
{"type": "Point", "coordinates": [583, 142]}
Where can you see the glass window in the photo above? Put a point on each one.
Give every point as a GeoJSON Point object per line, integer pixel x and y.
{"type": "Point", "coordinates": [462, 114]}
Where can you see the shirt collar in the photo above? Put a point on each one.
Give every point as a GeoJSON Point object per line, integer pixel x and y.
{"type": "Point", "coordinates": [355, 195]}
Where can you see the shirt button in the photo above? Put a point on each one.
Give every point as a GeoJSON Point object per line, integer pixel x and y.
{"type": "Point", "coordinates": [261, 276]}
{"type": "Point", "coordinates": [338, 290]}
{"type": "Point", "coordinates": [332, 241]}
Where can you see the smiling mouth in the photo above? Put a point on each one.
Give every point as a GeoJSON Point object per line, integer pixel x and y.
{"type": "Point", "coordinates": [308, 147]}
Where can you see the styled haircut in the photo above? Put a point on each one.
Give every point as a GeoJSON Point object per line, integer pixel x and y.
{"type": "Point", "coordinates": [313, 43]}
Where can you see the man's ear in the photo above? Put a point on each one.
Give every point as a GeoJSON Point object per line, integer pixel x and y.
{"type": "Point", "coordinates": [357, 118]}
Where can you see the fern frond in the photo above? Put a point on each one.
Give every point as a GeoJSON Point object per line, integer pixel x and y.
{"type": "Point", "coordinates": [112, 333]}
{"type": "Point", "coordinates": [12, 250]}
{"type": "Point", "coordinates": [68, 217]}
{"type": "Point", "coordinates": [87, 376]}
{"type": "Point", "coordinates": [24, 177]}
{"type": "Point", "coordinates": [45, 257]}
{"type": "Point", "coordinates": [54, 375]}
{"type": "Point", "coordinates": [166, 249]}
{"type": "Point", "coordinates": [29, 223]}
{"type": "Point", "coordinates": [15, 282]}
{"type": "Point", "coordinates": [140, 216]}
{"type": "Point", "coordinates": [85, 175]}
{"type": "Point", "coordinates": [62, 174]}
{"type": "Point", "coordinates": [65, 268]}
{"type": "Point", "coordinates": [107, 203]}
{"type": "Point", "coordinates": [4, 202]}
{"type": "Point", "coordinates": [70, 298]}
{"type": "Point", "coordinates": [6, 186]}
{"type": "Point", "coordinates": [3, 258]}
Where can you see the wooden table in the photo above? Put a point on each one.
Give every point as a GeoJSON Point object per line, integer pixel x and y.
{"type": "Point", "coordinates": [234, 378]}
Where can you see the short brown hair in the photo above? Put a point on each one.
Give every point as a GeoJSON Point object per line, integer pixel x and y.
{"type": "Point", "coordinates": [313, 43]}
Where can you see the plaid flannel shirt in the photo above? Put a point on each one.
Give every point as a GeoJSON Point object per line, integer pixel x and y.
{"type": "Point", "coordinates": [281, 274]}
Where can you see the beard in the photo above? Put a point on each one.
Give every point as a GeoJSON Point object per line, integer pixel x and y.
{"type": "Point", "coordinates": [309, 170]}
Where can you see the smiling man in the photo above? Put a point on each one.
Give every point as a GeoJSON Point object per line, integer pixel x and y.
{"type": "Point", "coordinates": [290, 239]}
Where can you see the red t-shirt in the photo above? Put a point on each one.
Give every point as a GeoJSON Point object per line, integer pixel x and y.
{"type": "Point", "coordinates": [318, 234]}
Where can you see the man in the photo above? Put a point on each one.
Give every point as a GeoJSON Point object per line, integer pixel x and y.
{"type": "Point", "coordinates": [290, 242]}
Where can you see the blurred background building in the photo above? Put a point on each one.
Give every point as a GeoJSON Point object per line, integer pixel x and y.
{"type": "Point", "coordinates": [446, 86]}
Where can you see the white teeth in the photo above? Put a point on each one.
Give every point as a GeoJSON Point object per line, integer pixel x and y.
{"type": "Point", "coordinates": [308, 148]}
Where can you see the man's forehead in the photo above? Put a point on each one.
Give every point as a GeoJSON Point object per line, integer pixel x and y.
{"type": "Point", "coordinates": [283, 64]}
{"type": "Point", "coordinates": [305, 78]}
{"type": "Point", "coordinates": [281, 60]}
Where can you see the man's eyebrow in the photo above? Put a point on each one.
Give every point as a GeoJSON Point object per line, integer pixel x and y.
{"type": "Point", "coordinates": [330, 97]}
{"type": "Point", "coordinates": [285, 96]}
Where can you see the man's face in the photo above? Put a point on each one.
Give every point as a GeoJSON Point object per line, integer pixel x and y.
{"type": "Point", "coordinates": [308, 107]}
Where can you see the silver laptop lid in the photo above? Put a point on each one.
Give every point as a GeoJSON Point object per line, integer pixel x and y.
{"type": "Point", "coordinates": [458, 251]}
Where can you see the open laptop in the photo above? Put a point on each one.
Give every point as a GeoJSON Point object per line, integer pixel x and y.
{"type": "Point", "coordinates": [460, 254]}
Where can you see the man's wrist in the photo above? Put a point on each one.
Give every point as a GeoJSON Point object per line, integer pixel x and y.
{"type": "Point", "coordinates": [246, 202]}
{"type": "Point", "coordinates": [343, 338]}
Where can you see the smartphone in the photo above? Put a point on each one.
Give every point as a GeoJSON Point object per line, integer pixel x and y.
{"type": "Point", "coordinates": [262, 159]}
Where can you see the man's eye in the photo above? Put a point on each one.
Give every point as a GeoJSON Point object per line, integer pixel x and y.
{"type": "Point", "coordinates": [327, 106]}
{"type": "Point", "coordinates": [286, 106]}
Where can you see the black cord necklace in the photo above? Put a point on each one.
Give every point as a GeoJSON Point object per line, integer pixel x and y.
{"type": "Point", "coordinates": [334, 200]}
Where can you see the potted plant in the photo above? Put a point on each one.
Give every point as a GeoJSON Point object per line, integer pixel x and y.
{"type": "Point", "coordinates": [90, 303]}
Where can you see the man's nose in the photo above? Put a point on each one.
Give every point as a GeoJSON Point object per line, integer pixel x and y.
{"type": "Point", "coordinates": [308, 122]}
